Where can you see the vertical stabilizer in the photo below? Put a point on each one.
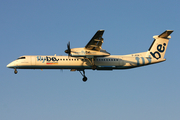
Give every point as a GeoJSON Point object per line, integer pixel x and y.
{"type": "Point", "coordinates": [159, 45]}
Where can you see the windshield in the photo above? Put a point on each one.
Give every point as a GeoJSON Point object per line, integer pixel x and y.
{"type": "Point", "coordinates": [21, 58]}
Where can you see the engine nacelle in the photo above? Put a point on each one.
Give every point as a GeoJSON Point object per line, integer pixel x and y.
{"type": "Point", "coordinates": [83, 52]}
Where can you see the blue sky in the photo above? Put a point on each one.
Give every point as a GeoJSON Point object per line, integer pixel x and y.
{"type": "Point", "coordinates": [45, 27]}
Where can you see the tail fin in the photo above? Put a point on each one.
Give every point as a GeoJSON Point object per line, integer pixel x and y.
{"type": "Point", "coordinates": [158, 47]}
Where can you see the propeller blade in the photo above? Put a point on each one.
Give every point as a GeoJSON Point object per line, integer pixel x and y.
{"type": "Point", "coordinates": [68, 51]}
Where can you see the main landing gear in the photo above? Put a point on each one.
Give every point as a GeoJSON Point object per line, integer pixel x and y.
{"type": "Point", "coordinates": [93, 64]}
{"type": "Point", "coordinates": [83, 74]}
{"type": "Point", "coordinates": [91, 60]}
{"type": "Point", "coordinates": [94, 67]}
{"type": "Point", "coordinates": [15, 71]}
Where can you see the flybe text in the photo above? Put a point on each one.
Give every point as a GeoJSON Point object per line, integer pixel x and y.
{"type": "Point", "coordinates": [49, 59]}
{"type": "Point", "coordinates": [160, 49]}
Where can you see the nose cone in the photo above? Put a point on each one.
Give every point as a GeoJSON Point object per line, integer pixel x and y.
{"type": "Point", "coordinates": [10, 65]}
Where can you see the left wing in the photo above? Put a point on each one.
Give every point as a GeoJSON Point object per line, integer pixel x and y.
{"type": "Point", "coordinates": [96, 42]}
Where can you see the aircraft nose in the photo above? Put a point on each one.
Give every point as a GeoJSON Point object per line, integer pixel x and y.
{"type": "Point", "coordinates": [10, 65]}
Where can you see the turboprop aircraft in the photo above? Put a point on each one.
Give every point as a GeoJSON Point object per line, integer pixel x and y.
{"type": "Point", "coordinates": [92, 56]}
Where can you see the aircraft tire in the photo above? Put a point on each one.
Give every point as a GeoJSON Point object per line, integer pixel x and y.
{"type": "Point", "coordinates": [15, 71]}
{"type": "Point", "coordinates": [84, 79]}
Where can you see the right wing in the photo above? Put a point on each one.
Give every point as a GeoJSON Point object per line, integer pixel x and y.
{"type": "Point", "coordinates": [96, 42]}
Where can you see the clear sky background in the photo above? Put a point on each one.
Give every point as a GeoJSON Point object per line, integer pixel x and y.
{"type": "Point", "coordinates": [44, 28]}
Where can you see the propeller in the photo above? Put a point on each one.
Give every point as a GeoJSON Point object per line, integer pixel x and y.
{"type": "Point", "coordinates": [68, 51]}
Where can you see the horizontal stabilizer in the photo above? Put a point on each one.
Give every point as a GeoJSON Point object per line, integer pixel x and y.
{"type": "Point", "coordinates": [165, 34]}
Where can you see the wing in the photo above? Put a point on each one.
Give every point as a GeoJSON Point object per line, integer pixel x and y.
{"type": "Point", "coordinates": [96, 42]}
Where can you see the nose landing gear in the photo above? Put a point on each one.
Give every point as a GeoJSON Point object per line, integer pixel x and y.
{"type": "Point", "coordinates": [15, 71]}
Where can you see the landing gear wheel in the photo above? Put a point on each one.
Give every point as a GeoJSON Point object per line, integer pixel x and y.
{"type": "Point", "coordinates": [15, 71]}
{"type": "Point", "coordinates": [83, 74]}
{"type": "Point", "coordinates": [94, 67]}
{"type": "Point", "coordinates": [84, 78]}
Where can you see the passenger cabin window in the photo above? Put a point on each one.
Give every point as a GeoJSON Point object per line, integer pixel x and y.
{"type": "Point", "coordinates": [21, 58]}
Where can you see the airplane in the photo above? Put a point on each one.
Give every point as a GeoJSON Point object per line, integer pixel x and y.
{"type": "Point", "coordinates": [92, 56]}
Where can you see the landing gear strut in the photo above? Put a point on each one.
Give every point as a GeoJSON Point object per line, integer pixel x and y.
{"type": "Point", "coordinates": [93, 64]}
{"type": "Point", "coordinates": [94, 67]}
{"type": "Point", "coordinates": [91, 60]}
{"type": "Point", "coordinates": [15, 71]}
{"type": "Point", "coordinates": [84, 77]}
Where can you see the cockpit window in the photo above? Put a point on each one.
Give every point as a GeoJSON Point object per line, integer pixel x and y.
{"type": "Point", "coordinates": [21, 58]}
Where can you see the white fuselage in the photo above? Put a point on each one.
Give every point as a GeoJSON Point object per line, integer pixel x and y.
{"type": "Point", "coordinates": [79, 63]}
